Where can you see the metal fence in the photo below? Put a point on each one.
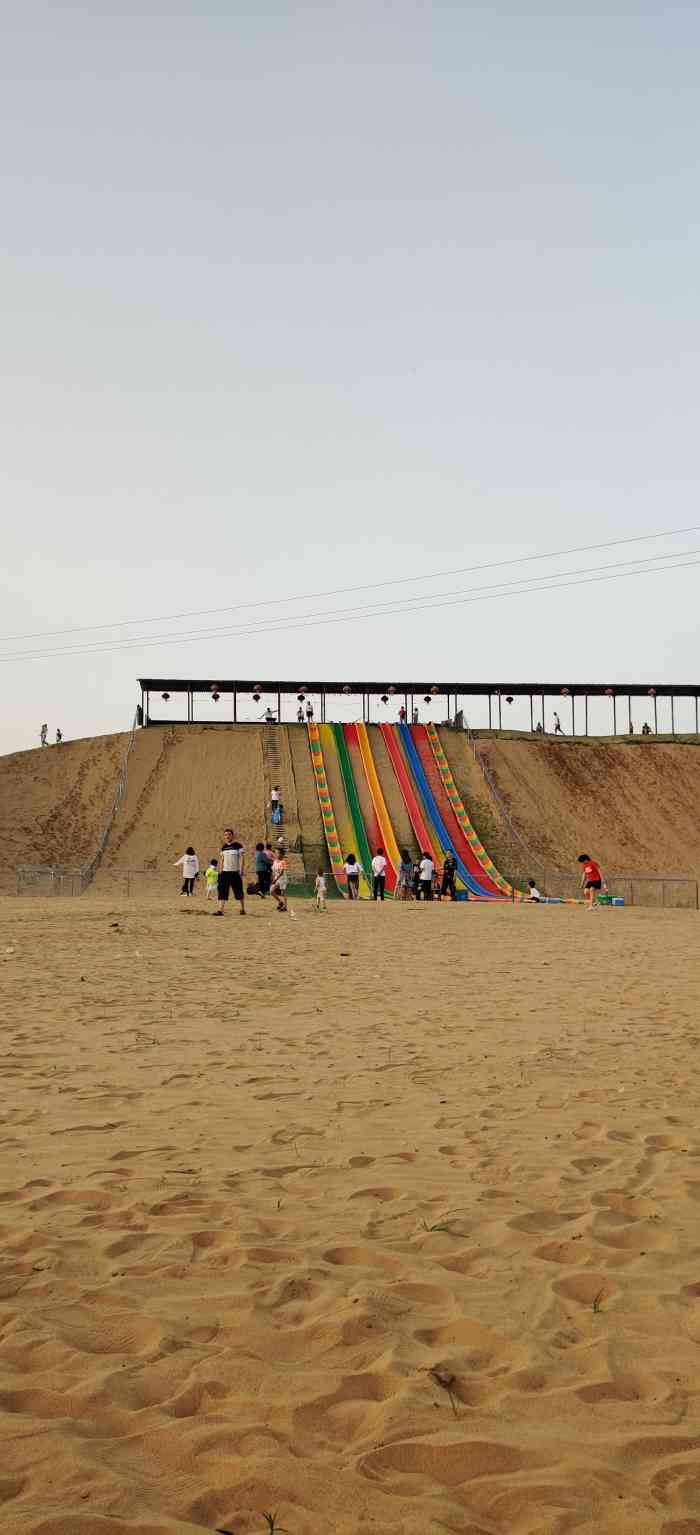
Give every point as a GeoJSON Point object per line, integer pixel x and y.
{"type": "Point", "coordinates": [61, 879]}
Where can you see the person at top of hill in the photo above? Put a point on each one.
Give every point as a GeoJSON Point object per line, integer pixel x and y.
{"type": "Point", "coordinates": [557, 725]}
{"type": "Point", "coordinates": [353, 870]}
{"type": "Point", "coordinates": [44, 735]}
{"type": "Point", "coordinates": [190, 870]}
{"type": "Point", "coordinates": [309, 710]}
{"type": "Point", "coordinates": [415, 716]}
{"type": "Point", "coordinates": [402, 715]}
{"type": "Point", "coordinates": [59, 737]}
{"type": "Point", "coordinates": [300, 715]}
{"type": "Point", "coordinates": [646, 728]}
{"type": "Point", "coordinates": [591, 879]}
{"type": "Point", "coordinates": [231, 870]}
{"type": "Point", "coordinates": [378, 875]}
{"type": "Point", "coordinates": [269, 716]}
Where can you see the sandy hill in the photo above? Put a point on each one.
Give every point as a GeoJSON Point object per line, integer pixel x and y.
{"type": "Point", "coordinates": [635, 805]}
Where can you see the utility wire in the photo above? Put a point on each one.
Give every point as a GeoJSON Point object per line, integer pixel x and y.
{"type": "Point", "coordinates": [312, 621]}
{"type": "Point", "coordinates": [341, 591]}
{"type": "Point", "coordinates": [369, 610]}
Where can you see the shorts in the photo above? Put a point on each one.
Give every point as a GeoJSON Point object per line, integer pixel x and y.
{"type": "Point", "coordinates": [230, 879]}
{"type": "Point", "coordinates": [594, 884]}
{"type": "Point", "coordinates": [279, 885]}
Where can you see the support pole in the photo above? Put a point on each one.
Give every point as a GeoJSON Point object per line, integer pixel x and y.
{"type": "Point", "coordinates": [148, 707]}
{"type": "Point", "coordinates": [629, 711]}
{"type": "Point", "coordinates": [696, 714]}
{"type": "Point", "coordinates": [673, 718]}
{"type": "Point", "coordinates": [279, 708]}
{"type": "Point", "coordinates": [656, 716]}
{"type": "Point", "coordinates": [573, 715]}
{"type": "Point", "coordinates": [543, 711]}
{"type": "Point", "coordinates": [490, 711]}
{"type": "Point", "coordinates": [532, 717]}
{"type": "Point", "coordinates": [235, 707]}
{"type": "Point", "coordinates": [585, 700]}
{"type": "Point", "coordinates": [500, 717]}
{"type": "Point", "coordinates": [614, 703]}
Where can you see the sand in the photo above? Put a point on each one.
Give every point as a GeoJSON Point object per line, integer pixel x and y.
{"type": "Point", "coordinates": [381, 1220]}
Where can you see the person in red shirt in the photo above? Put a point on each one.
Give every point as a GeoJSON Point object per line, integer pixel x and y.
{"type": "Point", "coordinates": [591, 878]}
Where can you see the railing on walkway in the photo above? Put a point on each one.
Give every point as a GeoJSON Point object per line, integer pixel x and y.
{"type": "Point", "coordinates": [61, 879]}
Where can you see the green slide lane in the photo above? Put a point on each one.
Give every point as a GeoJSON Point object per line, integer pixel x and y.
{"type": "Point", "coordinates": [362, 850]}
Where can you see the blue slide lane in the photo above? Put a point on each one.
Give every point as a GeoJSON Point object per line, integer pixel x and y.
{"type": "Point", "coordinates": [416, 767]}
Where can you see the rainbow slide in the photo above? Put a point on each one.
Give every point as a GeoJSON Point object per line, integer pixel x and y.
{"type": "Point", "coordinates": [473, 885]}
{"type": "Point", "coordinates": [484, 862]}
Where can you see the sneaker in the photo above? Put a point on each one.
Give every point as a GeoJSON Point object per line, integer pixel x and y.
{"type": "Point", "coordinates": [217, 914]}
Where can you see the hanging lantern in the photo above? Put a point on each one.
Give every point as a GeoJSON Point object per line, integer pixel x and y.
{"type": "Point", "coordinates": [392, 690]}
{"type": "Point", "coordinates": [347, 688]}
{"type": "Point", "coordinates": [215, 687]}
{"type": "Point", "coordinates": [652, 693]}
{"type": "Point", "coordinates": [509, 699]}
{"type": "Point", "coordinates": [385, 698]}
{"type": "Point", "coordinates": [165, 697]}
{"type": "Point", "coordinates": [434, 691]}
{"type": "Point", "coordinates": [609, 692]}
{"type": "Point", "coordinates": [256, 696]}
{"type": "Point", "coordinates": [426, 698]}
{"type": "Point", "coordinates": [565, 692]}
{"type": "Point", "coordinates": [216, 696]}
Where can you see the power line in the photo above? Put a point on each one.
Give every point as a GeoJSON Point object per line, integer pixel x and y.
{"type": "Point", "coordinates": [341, 591]}
{"type": "Point", "coordinates": [305, 620]}
{"type": "Point", "coordinates": [350, 616]}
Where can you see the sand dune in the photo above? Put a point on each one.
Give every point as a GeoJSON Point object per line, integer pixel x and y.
{"type": "Point", "coordinates": [381, 1220]}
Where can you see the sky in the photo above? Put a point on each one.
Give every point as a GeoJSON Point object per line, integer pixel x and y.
{"type": "Point", "coordinates": [303, 298]}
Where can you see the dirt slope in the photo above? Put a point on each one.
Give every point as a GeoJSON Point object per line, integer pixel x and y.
{"type": "Point", "coordinates": [54, 800]}
{"type": "Point", "coordinates": [633, 805]}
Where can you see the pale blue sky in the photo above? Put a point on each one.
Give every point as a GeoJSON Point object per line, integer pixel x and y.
{"type": "Point", "coordinates": [301, 296]}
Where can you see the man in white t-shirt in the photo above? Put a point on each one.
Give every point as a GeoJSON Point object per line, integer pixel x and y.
{"type": "Point", "coordinates": [378, 875]}
{"type": "Point", "coordinates": [231, 871]}
{"type": "Point", "coordinates": [427, 868]}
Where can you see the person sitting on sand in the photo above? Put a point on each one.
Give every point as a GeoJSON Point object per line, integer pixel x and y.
{"type": "Point", "coordinates": [278, 888]}
{"type": "Point", "coordinates": [533, 893]}
{"type": "Point", "coordinates": [190, 870]}
{"type": "Point", "coordinates": [353, 871]}
{"type": "Point", "coordinates": [591, 879]}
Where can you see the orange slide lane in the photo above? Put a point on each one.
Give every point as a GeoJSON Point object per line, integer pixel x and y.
{"type": "Point", "coordinates": [389, 843]}
{"type": "Point", "coordinates": [373, 826]}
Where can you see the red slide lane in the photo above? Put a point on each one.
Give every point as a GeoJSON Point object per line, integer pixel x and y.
{"type": "Point", "coordinates": [425, 842]}
{"type": "Point", "coordinates": [369, 814]}
{"type": "Point", "coordinates": [440, 795]}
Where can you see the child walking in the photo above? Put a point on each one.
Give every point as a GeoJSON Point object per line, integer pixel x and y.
{"type": "Point", "coordinates": [278, 887]}
{"type": "Point", "coordinates": [190, 870]}
{"type": "Point", "coordinates": [211, 875]}
{"type": "Point", "coordinates": [320, 889]}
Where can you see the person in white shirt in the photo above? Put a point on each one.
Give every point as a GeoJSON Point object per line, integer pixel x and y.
{"type": "Point", "coordinates": [378, 875]}
{"type": "Point", "coordinates": [320, 889]}
{"type": "Point", "coordinates": [427, 868]}
{"type": "Point", "coordinates": [190, 870]}
{"type": "Point", "coordinates": [557, 725]}
{"type": "Point", "coordinates": [353, 870]}
{"type": "Point", "coordinates": [533, 893]}
{"type": "Point", "coordinates": [231, 870]}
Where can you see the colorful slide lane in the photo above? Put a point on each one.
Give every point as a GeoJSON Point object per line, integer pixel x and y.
{"type": "Point", "coordinates": [354, 831]}
{"type": "Point", "coordinates": [474, 886]}
{"type": "Point", "coordinates": [330, 829]}
{"type": "Point", "coordinates": [462, 818]}
{"type": "Point", "coordinates": [437, 788]}
{"type": "Point", "coordinates": [371, 800]}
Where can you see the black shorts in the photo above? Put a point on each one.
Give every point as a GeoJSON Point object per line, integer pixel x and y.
{"type": "Point", "coordinates": [594, 884]}
{"type": "Point", "coordinates": [231, 880]}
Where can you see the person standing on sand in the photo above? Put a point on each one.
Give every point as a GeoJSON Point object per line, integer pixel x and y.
{"type": "Point", "coordinates": [278, 888]}
{"type": "Point", "coordinates": [44, 735]}
{"type": "Point", "coordinates": [378, 875]}
{"type": "Point", "coordinates": [59, 737]}
{"type": "Point", "coordinates": [190, 870]}
{"type": "Point", "coordinates": [211, 875]}
{"type": "Point", "coordinates": [353, 871]}
{"type": "Point", "coordinates": [591, 879]}
{"type": "Point", "coordinates": [557, 725]}
{"type": "Point", "coordinates": [263, 870]}
{"type": "Point", "coordinates": [320, 890]}
{"type": "Point", "coordinates": [231, 870]}
{"type": "Point", "coordinates": [449, 874]}
{"type": "Point", "coordinates": [426, 877]}
{"type": "Point", "coordinates": [405, 879]}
